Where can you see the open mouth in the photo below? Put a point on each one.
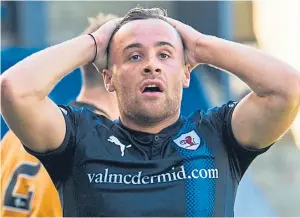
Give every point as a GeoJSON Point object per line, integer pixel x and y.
{"type": "Point", "coordinates": [152, 88]}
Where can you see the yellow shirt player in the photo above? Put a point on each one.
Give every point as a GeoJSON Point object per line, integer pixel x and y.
{"type": "Point", "coordinates": [26, 188]}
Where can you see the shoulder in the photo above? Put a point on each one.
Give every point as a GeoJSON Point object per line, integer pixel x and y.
{"type": "Point", "coordinates": [215, 117]}
{"type": "Point", "coordinates": [213, 112]}
{"type": "Point", "coordinates": [220, 111]}
{"type": "Point", "coordinates": [82, 120]}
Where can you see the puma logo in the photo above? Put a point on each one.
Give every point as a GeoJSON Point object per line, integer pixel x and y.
{"type": "Point", "coordinates": [116, 141]}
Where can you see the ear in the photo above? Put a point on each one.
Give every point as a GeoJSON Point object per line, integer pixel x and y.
{"type": "Point", "coordinates": [107, 78]}
{"type": "Point", "coordinates": [186, 76]}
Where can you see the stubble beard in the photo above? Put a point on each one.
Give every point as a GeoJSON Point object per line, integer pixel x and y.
{"type": "Point", "coordinates": [150, 115]}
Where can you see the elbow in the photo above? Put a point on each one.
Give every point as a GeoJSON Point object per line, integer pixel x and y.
{"type": "Point", "coordinates": [292, 92]}
{"type": "Point", "coordinates": [298, 91]}
{"type": "Point", "coordinates": [10, 94]}
{"type": "Point", "coordinates": [7, 94]}
{"type": "Point", "coordinates": [6, 88]}
{"type": "Point", "coordinates": [286, 97]}
{"type": "Point", "coordinates": [12, 89]}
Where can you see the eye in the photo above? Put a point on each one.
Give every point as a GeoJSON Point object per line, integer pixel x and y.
{"type": "Point", "coordinates": [164, 56]}
{"type": "Point", "coordinates": [135, 57]}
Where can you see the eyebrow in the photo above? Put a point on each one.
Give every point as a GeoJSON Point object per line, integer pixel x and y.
{"type": "Point", "coordinates": [139, 45]}
{"type": "Point", "coordinates": [133, 45]}
{"type": "Point", "coordinates": [163, 43]}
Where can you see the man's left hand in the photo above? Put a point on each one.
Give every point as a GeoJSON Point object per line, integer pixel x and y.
{"type": "Point", "coordinates": [191, 38]}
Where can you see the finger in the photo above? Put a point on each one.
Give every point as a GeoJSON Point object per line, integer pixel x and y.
{"type": "Point", "coordinates": [110, 26]}
{"type": "Point", "coordinates": [174, 22]}
{"type": "Point", "coordinates": [102, 18]}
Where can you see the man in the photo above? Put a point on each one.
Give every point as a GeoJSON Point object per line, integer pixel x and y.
{"type": "Point", "coordinates": [152, 161]}
{"type": "Point", "coordinates": [27, 189]}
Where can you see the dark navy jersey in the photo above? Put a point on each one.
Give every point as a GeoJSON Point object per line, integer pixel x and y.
{"type": "Point", "coordinates": [191, 168]}
{"type": "Point", "coordinates": [91, 107]}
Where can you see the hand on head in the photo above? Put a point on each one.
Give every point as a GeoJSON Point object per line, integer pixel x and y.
{"type": "Point", "coordinates": [102, 28]}
{"type": "Point", "coordinates": [191, 38]}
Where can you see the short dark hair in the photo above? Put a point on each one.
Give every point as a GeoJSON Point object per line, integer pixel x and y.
{"type": "Point", "coordinates": [139, 13]}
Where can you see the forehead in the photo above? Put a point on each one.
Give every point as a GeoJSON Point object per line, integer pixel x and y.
{"type": "Point", "coordinates": [147, 32]}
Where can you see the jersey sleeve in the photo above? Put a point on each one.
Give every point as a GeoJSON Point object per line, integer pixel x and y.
{"type": "Point", "coordinates": [240, 157]}
{"type": "Point", "coordinates": [58, 162]}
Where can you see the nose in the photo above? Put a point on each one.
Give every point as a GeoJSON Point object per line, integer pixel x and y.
{"type": "Point", "coordinates": [152, 66]}
{"type": "Point", "coordinates": [149, 70]}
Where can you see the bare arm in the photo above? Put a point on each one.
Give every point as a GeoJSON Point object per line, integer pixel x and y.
{"type": "Point", "coordinates": [32, 116]}
{"type": "Point", "coordinates": [267, 113]}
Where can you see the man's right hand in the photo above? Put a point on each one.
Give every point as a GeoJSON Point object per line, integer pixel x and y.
{"type": "Point", "coordinates": [27, 110]}
{"type": "Point", "coordinates": [103, 36]}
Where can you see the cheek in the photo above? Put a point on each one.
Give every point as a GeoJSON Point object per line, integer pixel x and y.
{"type": "Point", "coordinates": [174, 84]}
{"type": "Point", "coordinates": [125, 79]}
{"type": "Point", "coordinates": [177, 76]}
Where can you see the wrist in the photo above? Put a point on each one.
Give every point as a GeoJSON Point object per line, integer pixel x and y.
{"type": "Point", "coordinates": [87, 51]}
{"type": "Point", "coordinates": [95, 47]}
{"type": "Point", "coordinates": [204, 48]}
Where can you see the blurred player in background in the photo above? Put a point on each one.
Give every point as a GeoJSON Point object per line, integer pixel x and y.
{"type": "Point", "coordinates": [27, 189]}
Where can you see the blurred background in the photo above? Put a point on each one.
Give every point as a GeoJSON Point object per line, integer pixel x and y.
{"type": "Point", "coordinates": [271, 186]}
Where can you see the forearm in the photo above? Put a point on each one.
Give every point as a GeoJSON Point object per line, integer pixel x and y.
{"type": "Point", "coordinates": [264, 74]}
{"type": "Point", "coordinates": [36, 75]}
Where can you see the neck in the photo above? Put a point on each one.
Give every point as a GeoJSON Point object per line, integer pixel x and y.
{"type": "Point", "coordinates": [153, 128]}
{"type": "Point", "coordinates": [100, 98]}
